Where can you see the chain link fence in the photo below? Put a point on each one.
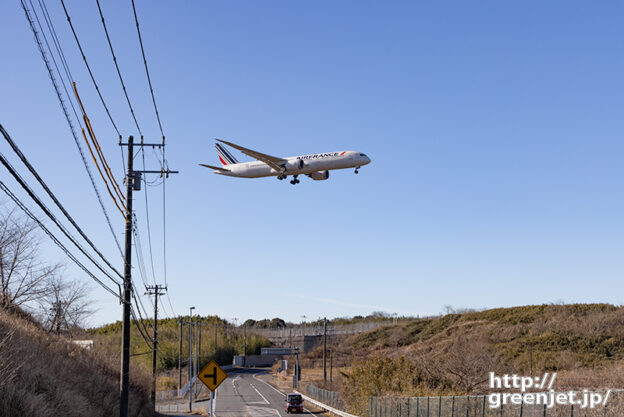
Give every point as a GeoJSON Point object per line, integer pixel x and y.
{"type": "Point", "coordinates": [478, 406]}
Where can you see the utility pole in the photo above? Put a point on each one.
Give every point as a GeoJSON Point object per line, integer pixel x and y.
{"type": "Point", "coordinates": [244, 344]}
{"type": "Point", "coordinates": [180, 357]}
{"type": "Point", "coordinates": [195, 370]}
{"type": "Point", "coordinates": [325, 350]}
{"type": "Point", "coordinates": [125, 326]}
{"type": "Point", "coordinates": [215, 337]}
{"type": "Point", "coordinates": [190, 360]}
{"type": "Point", "coordinates": [133, 182]}
{"type": "Point", "coordinates": [155, 290]}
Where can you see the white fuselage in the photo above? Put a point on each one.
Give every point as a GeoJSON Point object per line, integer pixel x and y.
{"type": "Point", "coordinates": [311, 163]}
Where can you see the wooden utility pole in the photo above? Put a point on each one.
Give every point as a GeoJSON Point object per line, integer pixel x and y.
{"type": "Point", "coordinates": [127, 289]}
{"type": "Point", "coordinates": [199, 346]}
{"type": "Point", "coordinates": [190, 359]}
{"type": "Point", "coordinates": [180, 357]}
{"type": "Point", "coordinates": [133, 182]}
{"type": "Point", "coordinates": [215, 337]}
{"type": "Point", "coordinates": [155, 290]}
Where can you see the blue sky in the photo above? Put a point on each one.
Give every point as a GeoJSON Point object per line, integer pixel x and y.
{"type": "Point", "coordinates": [494, 128]}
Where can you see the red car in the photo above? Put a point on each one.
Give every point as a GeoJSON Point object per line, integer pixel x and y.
{"type": "Point", "coordinates": [294, 403]}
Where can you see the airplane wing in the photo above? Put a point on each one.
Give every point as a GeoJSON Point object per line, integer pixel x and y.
{"type": "Point", "coordinates": [272, 161]}
{"type": "Point", "coordinates": [217, 168]}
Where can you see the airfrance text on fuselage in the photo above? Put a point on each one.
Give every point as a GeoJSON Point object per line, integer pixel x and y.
{"type": "Point", "coordinates": [320, 155]}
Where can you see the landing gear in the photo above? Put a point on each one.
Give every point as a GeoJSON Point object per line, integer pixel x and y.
{"type": "Point", "coordinates": [356, 170]}
{"type": "Point", "coordinates": [281, 177]}
{"type": "Point", "coordinates": [295, 180]}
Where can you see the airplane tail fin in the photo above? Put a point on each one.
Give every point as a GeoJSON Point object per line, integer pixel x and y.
{"type": "Point", "coordinates": [225, 156]}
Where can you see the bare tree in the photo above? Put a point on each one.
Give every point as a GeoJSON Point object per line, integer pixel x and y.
{"type": "Point", "coordinates": [65, 305]}
{"type": "Point", "coordinates": [22, 274]}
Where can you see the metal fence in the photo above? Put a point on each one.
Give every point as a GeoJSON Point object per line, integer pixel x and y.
{"type": "Point", "coordinates": [305, 330]}
{"type": "Point", "coordinates": [478, 406]}
{"type": "Point", "coordinates": [330, 398]}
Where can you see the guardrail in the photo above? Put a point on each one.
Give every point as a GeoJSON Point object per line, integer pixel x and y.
{"type": "Point", "coordinates": [325, 406]}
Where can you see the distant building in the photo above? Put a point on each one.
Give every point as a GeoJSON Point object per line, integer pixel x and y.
{"type": "Point", "coordinates": [85, 344]}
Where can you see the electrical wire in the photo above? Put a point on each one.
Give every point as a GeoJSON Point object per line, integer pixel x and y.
{"type": "Point", "coordinates": [68, 73]}
{"type": "Point", "coordinates": [31, 22]}
{"type": "Point", "coordinates": [48, 213]}
{"type": "Point", "coordinates": [84, 58]}
{"type": "Point", "coordinates": [57, 242]}
{"type": "Point", "coordinates": [147, 219]}
{"type": "Point", "coordinates": [165, 246]}
{"type": "Point", "coordinates": [108, 173]}
{"type": "Point", "coordinates": [123, 85]}
{"type": "Point", "coordinates": [136, 19]}
{"type": "Point", "coordinates": [32, 170]}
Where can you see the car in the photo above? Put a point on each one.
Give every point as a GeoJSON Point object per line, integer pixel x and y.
{"type": "Point", "coordinates": [294, 403]}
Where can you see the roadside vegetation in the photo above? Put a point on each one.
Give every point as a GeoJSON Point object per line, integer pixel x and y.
{"type": "Point", "coordinates": [44, 375]}
{"type": "Point", "coordinates": [454, 353]}
{"type": "Point", "coordinates": [220, 341]}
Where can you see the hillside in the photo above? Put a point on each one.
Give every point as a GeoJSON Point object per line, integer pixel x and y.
{"type": "Point", "coordinates": [454, 353]}
{"type": "Point", "coordinates": [42, 375]}
{"type": "Point", "coordinates": [560, 336]}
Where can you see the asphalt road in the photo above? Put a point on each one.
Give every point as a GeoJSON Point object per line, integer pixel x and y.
{"type": "Point", "coordinates": [245, 394]}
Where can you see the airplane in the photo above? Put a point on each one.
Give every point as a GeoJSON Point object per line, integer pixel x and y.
{"type": "Point", "coordinates": [315, 166]}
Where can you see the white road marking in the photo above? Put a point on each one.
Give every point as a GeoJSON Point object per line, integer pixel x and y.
{"type": "Point", "coordinates": [258, 379]}
{"type": "Point", "coordinates": [265, 400]}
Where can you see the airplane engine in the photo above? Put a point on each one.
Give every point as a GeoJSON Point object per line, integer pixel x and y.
{"type": "Point", "coordinates": [319, 175]}
{"type": "Point", "coordinates": [295, 165]}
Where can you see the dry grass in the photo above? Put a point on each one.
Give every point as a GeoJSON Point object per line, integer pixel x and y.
{"type": "Point", "coordinates": [42, 375]}
{"type": "Point", "coordinates": [453, 354]}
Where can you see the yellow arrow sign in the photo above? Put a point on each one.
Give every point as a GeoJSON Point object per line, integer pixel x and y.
{"type": "Point", "coordinates": [212, 375]}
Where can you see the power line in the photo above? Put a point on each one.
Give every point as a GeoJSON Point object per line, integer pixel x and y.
{"type": "Point", "coordinates": [56, 241]}
{"type": "Point", "coordinates": [53, 197]}
{"type": "Point", "coordinates": [147, 219]}
{"type": "Point", "coordinates": [48, 213]}
{"type": "Point", "coordinates": [123, 85]}
{"type": "Point", "coordinates": [107, 170]}
{"type": "Point", "coordinates": [84, 58]}
{"type": "Point", "coordinates": [57, 43]}
{"type": "Point", "coordinates": [136, 19]}
{"type": "Point", "coordinates": [165, 245]}
{"type": "Point", "coordinates": [58, 50]}
{"type": "Point", "coordinates": [69, 76]}
{"type": "Point", "coordinates": [67, 117]}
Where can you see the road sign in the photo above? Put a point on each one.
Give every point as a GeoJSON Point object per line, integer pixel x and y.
{"type": "Point", "coordinates": [212, 375]}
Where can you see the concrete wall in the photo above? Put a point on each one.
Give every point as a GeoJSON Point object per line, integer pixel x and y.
{"type": "Point", "coordinates": [256, 360]}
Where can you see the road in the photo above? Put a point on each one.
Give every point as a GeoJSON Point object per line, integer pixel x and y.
{"type": "Point", "coordinates": [245, 394]}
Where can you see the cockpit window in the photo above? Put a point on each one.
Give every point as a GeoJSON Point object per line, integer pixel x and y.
{"type": "Point", "coordinates": [362, 154]}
